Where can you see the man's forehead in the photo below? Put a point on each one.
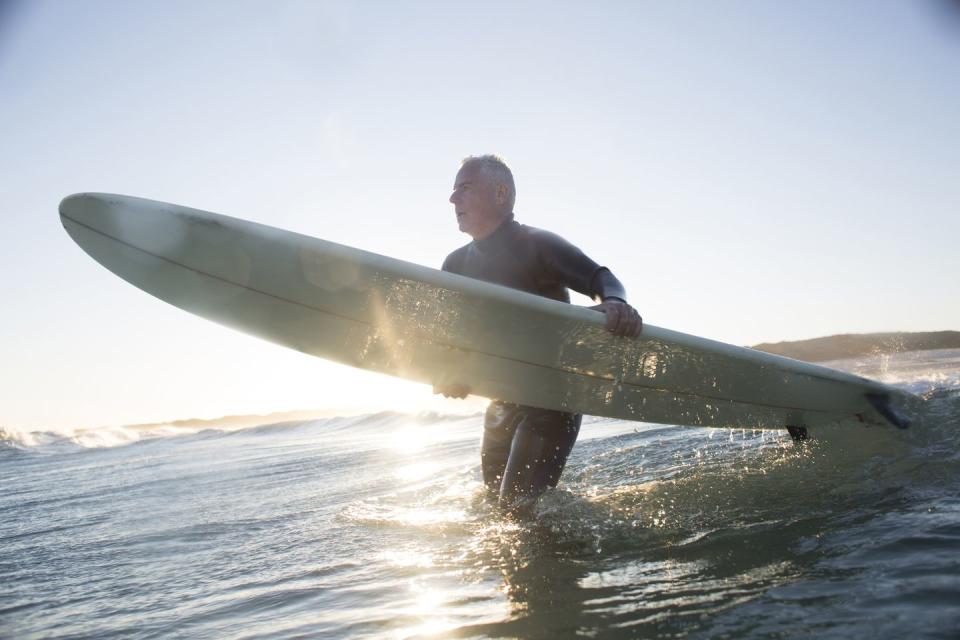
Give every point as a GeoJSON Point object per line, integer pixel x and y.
{"type": "Point", "coordinates": [467, 175]}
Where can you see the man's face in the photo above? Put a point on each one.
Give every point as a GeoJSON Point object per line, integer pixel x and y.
{"type": "Point", "coordinates": [475, 202]}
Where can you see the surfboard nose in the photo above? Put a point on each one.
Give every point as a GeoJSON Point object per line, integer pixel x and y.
{"type": "Point", "coordinates": [136, 235]}
{"type": "Point", "coordinates": [86, 209]}
{"type": "Point", "coordinates": [102, 214]}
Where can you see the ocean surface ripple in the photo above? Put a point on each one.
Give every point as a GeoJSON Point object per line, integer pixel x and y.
{"type": "Point", "coordinates": [377, 526]}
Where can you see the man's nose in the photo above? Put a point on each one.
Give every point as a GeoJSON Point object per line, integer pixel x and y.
{"type": "Point", "coordinates": [453, 197]}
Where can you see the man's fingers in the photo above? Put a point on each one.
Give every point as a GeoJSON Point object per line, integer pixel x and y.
{"type": "Point", "coordinates": [626, 321]}
{"type": "Point", "coordinates": [627, 324]}
{"type": "Point", "coordinates": [613, 318]}
{"type": "Point", "coordinates": [633, 324]}
{"type": "Point", "coordinates": [622, 319]}
{"type": "Point", "coordinates": [619, 318]}
{"type": "Point", "coordinates": [636, 324]}
{"type": "Point", "coordinates": [453, 390]}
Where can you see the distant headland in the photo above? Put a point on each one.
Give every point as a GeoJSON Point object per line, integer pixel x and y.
{"type": "Point", "coordinates": [852, 345]}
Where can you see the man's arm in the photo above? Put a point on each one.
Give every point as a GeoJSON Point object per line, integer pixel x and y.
{"type": "Point", "coordinates": [578, 272]}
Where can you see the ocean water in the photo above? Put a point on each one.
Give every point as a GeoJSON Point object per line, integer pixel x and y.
{"type": "Point", "coordinates": [376, 526]}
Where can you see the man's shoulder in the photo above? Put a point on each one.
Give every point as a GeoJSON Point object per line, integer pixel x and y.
{"type": "Point", "coordinates": [454, 261]}
{"type": "Point", "coordinates": [542, 237]}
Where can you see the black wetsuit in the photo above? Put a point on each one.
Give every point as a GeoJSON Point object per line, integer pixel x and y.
{"type": "Point", "coordinates": [524, 448]}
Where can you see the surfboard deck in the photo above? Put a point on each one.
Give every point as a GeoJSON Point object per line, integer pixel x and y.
{"type": "Point", "coordinates": [386, 315]}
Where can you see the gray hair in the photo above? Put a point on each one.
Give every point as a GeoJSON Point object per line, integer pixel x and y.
{"type": "Point", "coordinates": [497, 170]}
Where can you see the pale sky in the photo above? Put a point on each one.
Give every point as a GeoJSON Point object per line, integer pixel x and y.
{"type": "Point", "coordinates": [751, 170]}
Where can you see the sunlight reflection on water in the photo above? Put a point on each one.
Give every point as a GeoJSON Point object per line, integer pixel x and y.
{"type": "Point", "coordinates": [377, 526]}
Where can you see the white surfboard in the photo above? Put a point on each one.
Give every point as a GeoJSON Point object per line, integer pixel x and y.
{"type": "Point", "coordinates": [374, 312]}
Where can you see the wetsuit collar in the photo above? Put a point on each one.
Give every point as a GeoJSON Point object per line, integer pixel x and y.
{"type": "Point", "coordinates": [499, 234]}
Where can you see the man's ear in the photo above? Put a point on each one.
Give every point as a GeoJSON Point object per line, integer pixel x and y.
{"type": "Point", "coordinates": [501, 194]}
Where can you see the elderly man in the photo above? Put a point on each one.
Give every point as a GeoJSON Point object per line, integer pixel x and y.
{"type": "Point", "coordinates": [524, 448]}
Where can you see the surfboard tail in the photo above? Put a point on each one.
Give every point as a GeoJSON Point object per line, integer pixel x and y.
{"type": "Point", "coordinates": [881, 402]}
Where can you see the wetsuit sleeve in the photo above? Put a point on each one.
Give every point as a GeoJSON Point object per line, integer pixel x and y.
{"type": "Point", "coordinates": [606, 285]}
{"type": "Point", "coordinates": [572, 268]}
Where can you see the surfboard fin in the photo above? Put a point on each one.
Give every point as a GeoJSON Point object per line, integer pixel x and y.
{"type": "Point", "coordinates": [798, 433]}
{"type": "Point", "coordinates": [881, 402]}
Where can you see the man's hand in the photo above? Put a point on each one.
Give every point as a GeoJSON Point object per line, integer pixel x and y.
{"type": "Point", "coordinates": [622, 319]}
{"type": "Point", "coordinates": [452, 390]}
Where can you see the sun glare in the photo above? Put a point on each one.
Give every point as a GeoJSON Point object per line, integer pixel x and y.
{"type": "Point", "coordinates": [427, 606]}
{"type": "Point", "coordinates": [413, 438]}
{"type": "Point", "coordinates": [417, 470]}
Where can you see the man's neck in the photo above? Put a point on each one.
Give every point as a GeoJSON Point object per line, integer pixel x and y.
{"type": "Point", "coordinates": [493, 229]}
